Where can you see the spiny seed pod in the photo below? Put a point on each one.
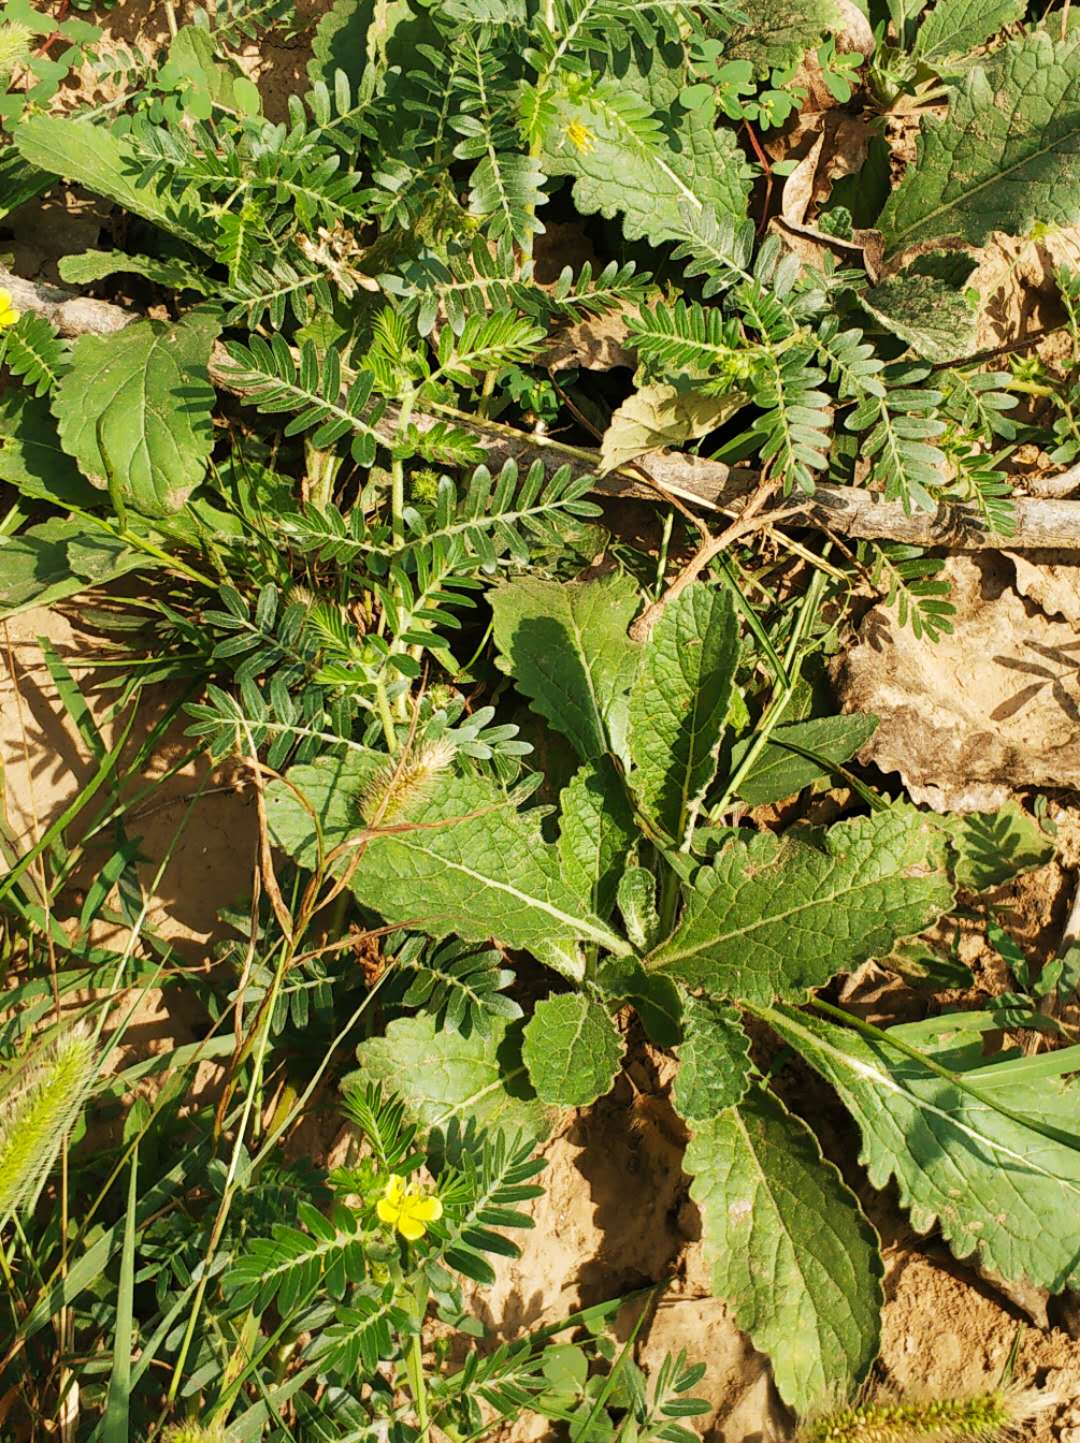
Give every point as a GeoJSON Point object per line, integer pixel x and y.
{"type": "Point", "coordinates": [41, 1097]}
{"type": "Point", "coordinates": [988, 1417]}
{"type": "Point", "coordinates": [16, 42]}
{"type": "Point", "coordinates": [399, 783]}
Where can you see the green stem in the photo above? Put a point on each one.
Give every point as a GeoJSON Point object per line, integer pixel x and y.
{"type": "Point", "coordinates": [414, 1364]}
{"type": "Point", "coordinates": [397, 471]}
{"type": "Point", "coordinates": [382, 703]}
{"type": "Point", "coordinates": [231, 1184]}
{"type": "Point", "coordinates": [486, 391]}
{"type": "Point", "coordinates": [669, 899]}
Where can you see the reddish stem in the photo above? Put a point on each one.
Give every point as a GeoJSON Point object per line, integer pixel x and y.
{"type": "Point", "coordinates": [763, 160]}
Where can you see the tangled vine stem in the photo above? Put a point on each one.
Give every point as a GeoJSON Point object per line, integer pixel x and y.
{"type": "Point", "coordinates": [1044, 521]}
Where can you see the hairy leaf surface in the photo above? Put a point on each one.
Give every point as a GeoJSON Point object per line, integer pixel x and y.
{"type": "Point", "coordinates": [572, 1050]}
{"type": "Point", "coordinates": [1005, 155]}
{"type": "Point", "coordinates": [625, 160]}
{"type": "Point", "coordinates": [957, 27]}
{"type": "Point", "coordinates": [990, 1182]}
{"type": "Point", "coordinates": [714, 1060]}
{"type": "Point", "coordinates": [926, 304]}
{"type": "Point", "coordinates": [596, 831]}
{"type": "Point", "coordinates": [108, 165]}
{"type": "Point", "coordinates": [776, 918]}
{"type": "Point", "coordinates": [463, 860]}
{"type": "Point", "coordinates": [789, 1247]}
{"type": "Point", "coordinates": [568, 650]}
{"type": "Point", "coordinates": [444, 1078]}
{"type": "Point", "coordinates": [679, 703]}
{"type": "Point", "coordinates": [136, 407]}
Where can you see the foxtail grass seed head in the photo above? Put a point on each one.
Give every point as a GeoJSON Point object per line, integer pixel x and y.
{"type": "Point", "coordinates": [193, 1433]}
{"type": "Point", "coordinates": [990, 1417]}
{"type": "Point", "coordinates": [397, 785]}
{"type": "Point", "coordinates": [42, 1098]}
{"type": "Point", "coordinates": [16, 43]}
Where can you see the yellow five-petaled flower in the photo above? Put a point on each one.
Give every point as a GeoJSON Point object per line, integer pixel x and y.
{"type": "Point", "coordinates": [407, 1208]}
{"type": "Point", "coordinates": [8, 314]}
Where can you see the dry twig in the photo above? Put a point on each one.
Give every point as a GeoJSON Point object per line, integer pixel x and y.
{"type": "Point", "coordinates": [1044, 521]}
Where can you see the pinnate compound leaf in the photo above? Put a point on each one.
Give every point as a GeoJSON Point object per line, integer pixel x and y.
{"type": "Point", "coordinates": [109, 165]}
{"type": "Point", "coordinates": [957, 27]}
{"type": "Point", "coordinates": [714, 1060]}
{"type": "Point", "coordinates": [144, 396]}
{"type": "Point", "coordinates": [568, 651]}
{"type": "Point", "coordinates": [991, 1183]}
{"type": "Point", "coordinates": [657, 416]}
{"type": "Point", "coordinates": [572, 1050]}
{"type": "Point", "coordinates": [679, 702]}
{"type": "Point", "coordinates": [596, 831]}
{"type": "Point", "coordinates": [627, 160]}
{"type": "Point", "coordinates": [789, 1247]}
{"type": "Point", "coordinates": [1007, 153]}
{"type": "Point", "coordinates": [778, 917]}
{"type": "Point", "coordinates": [472, 866]}
{"type": "Point", "coordinates": [799, 753]}
{"type": "Point", "coordinates": [443, 1077]}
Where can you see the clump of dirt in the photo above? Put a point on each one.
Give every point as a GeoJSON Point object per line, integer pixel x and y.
{"type": "Point", "coordinates": [942, 1335]}
{"type": "Point", "coordinates": [991, 707]}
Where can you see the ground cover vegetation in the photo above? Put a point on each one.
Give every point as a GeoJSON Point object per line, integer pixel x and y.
{"type": "Point", "coordinates": [326, 492]}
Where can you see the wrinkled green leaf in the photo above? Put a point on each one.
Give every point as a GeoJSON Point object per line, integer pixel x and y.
{"type": "Point", "coordinates": [596, 831]}
{"type": "Point", "coordinates": [90, 266]}
{"type": "Point", "coordinates": [143, 396]}
{"type": "Point", "coordinates": [443, 1077]}
{"type": "Point", "coordinates": [776, 917]}
{"type": "Point", "coordinates": [31, 456]}
{"type": "Point", "coordinates": [566, 646]}
{"type": "Point", "coordinates": [926, 305]}
{"type": "Point", "coordinates": [110, 166]}
{"type": "Point", "coordinates": [572, 1050]}
{"type": "Point", "coordinates": [780, 33]}
{"type": "Point", "coordinates": [471, 865]}
{"type": "Point", "coordinates": [714, 1060]}
{"type": "Point", "coordinates": [637, 906]}
{"type": "Point", "coordinates": [47, 563]}
{"type": "Point", "coordinates": [1007, 153]}
{"type": "Point", "coordinates": [789, 1247]}
{"type": "Point", "coordinates": [655, 998]}
{"type": "Point", "coordinates": [679, 703]}
{"type": "Point", "coordinates": [780, 770]}
{"type": "Point", "coordinates": [990, 1183]}
{"type": "Point", "coordinates": [651, 170]}
{"type": "Point", "coordinates": [957, 27]}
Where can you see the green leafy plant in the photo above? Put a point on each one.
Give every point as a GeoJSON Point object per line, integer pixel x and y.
{"type": "Point", "coordinates": [649, 897]}
{"type": "Point", "coordinates": [527, 794]}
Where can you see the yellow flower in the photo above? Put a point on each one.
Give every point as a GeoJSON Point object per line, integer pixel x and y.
{"type": "Point", "coordinates": [580, 136]}
{"type": "Point", "coordinates": [407, 1209]}
{"type": "Point", "coordinates": [8, 314]}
